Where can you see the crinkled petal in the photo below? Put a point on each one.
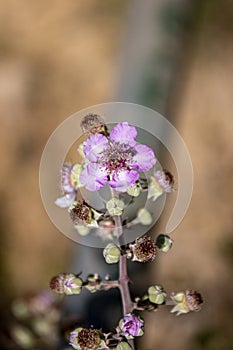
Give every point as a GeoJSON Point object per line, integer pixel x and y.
{"type": "Point", "coordinates": [124, 134]}
{"type": "Point", "coordinates": [123, 180]}
{"type": "Point", "coordinates": [94, 145]}
{"type": "Point", "coordinates": [66, 201]}
{"type": "Point", "coordinates": [144, 159]}
{"type": "Point", "coordinates": [94, 176]}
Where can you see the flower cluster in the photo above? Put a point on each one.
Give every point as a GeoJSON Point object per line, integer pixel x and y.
{"type": "Point", "coordinates": [115, 159]}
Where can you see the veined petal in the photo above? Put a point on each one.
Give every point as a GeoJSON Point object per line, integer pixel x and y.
{"type": "Point", "coordinates": [93, 177]}
{"type": "Point", "coordinates": [144, 159]}
{"type": "Point", "coordinates": [66, 201]}
{"type": "Point", "coordinates": [94, 145]}
{"type": "Point", "coordinates": [123, 180]}
{"type": "Point", "coordinates": [124, 134]}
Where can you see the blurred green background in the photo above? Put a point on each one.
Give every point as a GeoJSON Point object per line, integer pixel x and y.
{"type": "Point", "coordinates": [174, 56]}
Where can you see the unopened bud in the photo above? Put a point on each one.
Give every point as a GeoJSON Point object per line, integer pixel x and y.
{"type": "Point", "coordinates": [82, 230]}
{"type": "Point", "coordinates": [164, 243]}
{"type": "Point", "coordinates": [135, 190]}
{"type": "Point", "coordinates": [94, 283]}
{"type": "Point", "coordinates": [157, 294]}
{"type": "Point", "coordinates": [144, 216]}
{"type": "Point", "coordinates": [75, 175]}
{"type": "Point", "coordinates": [111, 253]}
{"type": "Point", "coordinates": [123, 346]}
{"type": "Point", "coordinates": [154, 190]}
{"type": "Point", "coordinates": [115, 206]}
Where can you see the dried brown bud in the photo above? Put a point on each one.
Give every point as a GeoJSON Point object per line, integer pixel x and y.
{"type": "Point", "coordinates": [57, 283]}
{"type": "Point", "coordinates": [186, 302]}
{"type": "Point", "coordinates": [89, 339]}
{"type": "Point", "coordinates": [80, 213]}
{"type": "Point", "coordinates": [93, 124]}
{"type": "Point", "coordinates": [193, 300]}
{"type": "Point", "coordinates": [144, 249]}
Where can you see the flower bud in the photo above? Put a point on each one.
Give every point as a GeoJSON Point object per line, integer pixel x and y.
{"type": "Point", "coordinates": [131, 326]}
{"type": "Point", "coordinates": [93, 283]}
{"type": "Point", "coordinates": [135, 190]}
{"type": "Point", "coordinates": [144, 216]}
{"type": "Point", "coordinates": [164, 243]}
{"type": "Point", "coordinates": [93, 124]}
{"type": "Point", "coordinates": [156, 294]}
{"type": "Point", "coordinates": [75, 175]}
{"type": "Point", "coordinates": [185, 302]}
{"type": "Point", "coordinates": [23, 337]}
{"type": "Point", "coordinates": [115, 206]}
{"type": "Point", "coordinates": [82, 229]}
{"type": "Point", "coordinates": [66, 284]}
{"type": "Point", "coordinates": [111, 253]}
{"type": "Point", "coordinates": [154, 190]}
{"type": "Point", "coordinates": [144, 249]}
{"type": "Point", "coordinates": [107, 228]}
{"type": "Point", "coordinates": [123, 346]}
{"type": "Point", "coordinates": [80, 150]}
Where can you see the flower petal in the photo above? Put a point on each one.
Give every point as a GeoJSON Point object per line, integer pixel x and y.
{"type": "Point", "coordinates": [123, 180]}
{"type": "Point", "coordinates": [93, 177]}
{"type": "Point", "coordinates": [94, 145]}
{"type": "Point", "coordinates": [124, 134]}
{"type": "Point", "coordinates": [66, 201]}
{"type": "Point", "coordinates": [144, 159]}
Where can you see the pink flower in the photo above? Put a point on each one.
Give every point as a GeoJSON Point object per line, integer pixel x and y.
{"type": "Point", "coordinates": [116, 159]}
{"type": "Point", "coordinates": [131, 326]}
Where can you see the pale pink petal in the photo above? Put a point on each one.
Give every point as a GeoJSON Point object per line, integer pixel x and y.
{"type": "Point", "coordinates": [93, 177]}
{"type": "Point", "coordinates": [124, 134]}
{"type": "Point", "coordinates": [123, 180]}
{"type": "Point", "coordinates": [66, 201]}
{"type": "Point", "coordinates": [144, 159]}
{"type": "Point", "coordinates": [94, 146]}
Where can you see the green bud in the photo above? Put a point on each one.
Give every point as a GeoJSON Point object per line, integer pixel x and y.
{"type": "Point", "coordinates": [82, 229]}
{"type": "Point", "coordinates": [164, 243]}
{"type": "Point", "coordinates": [144, 216]}
{"type": "Point", "coordinates": [115, 206]}
{"type": "Point", "coordinates": [94, 283]}
{"type": "Point", "coordinates": [156, 294]}
{"type": "Point", "coordinates": [123, 346]}
{"type": "Point", "coordinates": [73, 284]}
{"type": "Point", "coordinates": [75, 175]}
{"type": "Point", "coordinates": [154, 189]}
{"type": "Point", "coordinates": [111, 253]}
{"type": "Point", "coordinates": [80, 150]}
{"type": "Point", "coordinates": [20, 309]}
{"type": "Point", "coordinates": [135, 190]}
{"type": "Point", "coordinates": [23, 337]}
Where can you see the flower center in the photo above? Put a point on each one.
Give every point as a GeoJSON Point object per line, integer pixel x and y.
{"type": "Point", "coordinates": [116, 157]}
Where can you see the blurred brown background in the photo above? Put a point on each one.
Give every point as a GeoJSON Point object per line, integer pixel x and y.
{"type": "Point", "coordinates": [59, 57]}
